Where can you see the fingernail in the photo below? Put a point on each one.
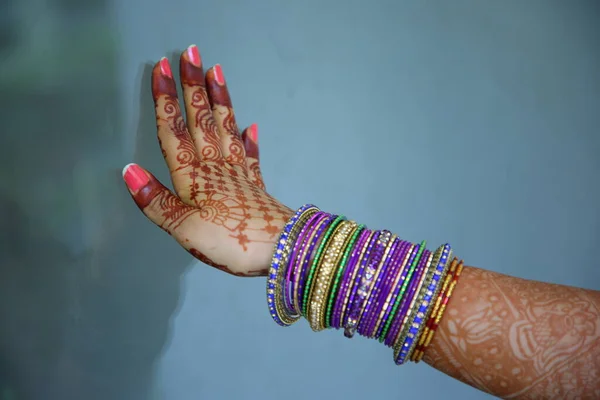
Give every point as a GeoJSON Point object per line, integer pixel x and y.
{"type": "Point", "coordinates": [253, 132]}
{"type": "Point", "coordinates": [165, 68]}
{"type": "Point", "coordinates": [194, 55]}
{"type": "Point", "coordinates": [135, 177]}
{"type": "Point", "coordinates": [219, 77]}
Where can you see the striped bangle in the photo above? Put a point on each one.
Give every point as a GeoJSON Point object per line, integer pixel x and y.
{"type": "Point", "coordinates": [403, 349]}
{"type": "Point", "coordinates": [274, 284]}
{"type": "Point", "coordinates": [440, 314]}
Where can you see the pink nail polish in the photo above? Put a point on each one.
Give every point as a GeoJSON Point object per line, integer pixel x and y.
{"type": "Point", "coordinates": [219, 77]}
{"type": "Point", "coordinates": [165, 68]}
{"type": "Point", "coordinates": [253, 132]}
{"type": "Point", "coordinates": [135, 177]}
{"type": "Point", "coordinates": [194, 55]}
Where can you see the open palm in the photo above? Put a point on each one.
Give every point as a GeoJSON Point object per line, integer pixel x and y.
{"type": "Point", "coordinates": [221, 214]}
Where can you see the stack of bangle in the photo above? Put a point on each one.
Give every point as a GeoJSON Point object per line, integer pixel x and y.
{"type": "Point", "coordinates": [339, 274]}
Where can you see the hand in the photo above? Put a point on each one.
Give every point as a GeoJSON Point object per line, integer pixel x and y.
{"type": "Point", "coordinates": [221, 214]}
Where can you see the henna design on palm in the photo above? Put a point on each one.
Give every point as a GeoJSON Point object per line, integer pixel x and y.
{"type": "Point", "coordinates": [221, 213]}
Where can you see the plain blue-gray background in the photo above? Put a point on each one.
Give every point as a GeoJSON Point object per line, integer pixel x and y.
{"type": "Point", "coordinates": [473, 122]}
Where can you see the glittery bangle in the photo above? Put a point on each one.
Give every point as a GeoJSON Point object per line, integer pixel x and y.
{"type": "Point", "coordinates": [347, 278]}
{"type": "Point", "coordinates": [360, 261]}
{"type": "Point", "coordinates": [295, 254]}
{"type": "Point", "coordinates": [278, 260]}
{"type": "Point", "coordinates": [324, 275]}
{"type": "Point", "coordinates": [366, 284]}
{"type": "Point", "coordinates": [404, 346]}
{"type": "Point", "coordinates": [435, 309]}
{"type": "Point", "coordinates": [316, 261]}
{"type": "Point", "coordinates": [389, 285]}
{"type": "Point", "coordinates": [364, 259]}
{"type": "Point", "coordinates": [371, 302]}
{"type": "Point", "coordinates": [440, 314]}
{"type": "Point", "coordinates": [333, 293]}
{"type": "Point", "coordinates": [396, 316]}
{"type": "Point", "coordinates": [435, 288]}
{"type": "Point", "coordinates": [313, 237]}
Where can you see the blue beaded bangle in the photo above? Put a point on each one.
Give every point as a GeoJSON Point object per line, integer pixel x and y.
{"type": "Point", "coordinates": [401, 352]}
{"type": "Point", "coordinates": [274, 288]}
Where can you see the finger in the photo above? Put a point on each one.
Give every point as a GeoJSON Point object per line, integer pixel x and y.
{"type": "Point", "coordinates": [158, 203]}
{"type": "Point", "coordinates": [231, 143]}
{"type": "Point", "coordinates": [250, 139]}
{"type": "Point", "coordinates": [200, 121]}
{"type": "Point", "coordinates": [175, 141]}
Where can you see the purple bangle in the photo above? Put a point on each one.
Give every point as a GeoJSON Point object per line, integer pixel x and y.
{"type": "Point", "coordinates": [387, 288]}
{"type": "Point", "coordinates": [402, 269]}
{"type": "Point", "coordinates": [353, 279]}
{"type": "Point", "coordinates": [414, 280]}
{"type": "Point", "coordinates": [411, 291]}
{"type": "Point", "coordinates": [305, 267]}
{"type": "Point", "coordinates": [363, 263]}
{"type": "Point", "coordinates": [294, 255]}
{"type": "Point", "coordinates": [366, 284]}
{"type": "Point", "coordinates": [365, 321]}
{"type": "Point", "coordinates": [347, 277]}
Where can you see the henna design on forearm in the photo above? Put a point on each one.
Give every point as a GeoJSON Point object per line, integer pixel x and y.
{"type": "Point", "coordinates": [516, 338]}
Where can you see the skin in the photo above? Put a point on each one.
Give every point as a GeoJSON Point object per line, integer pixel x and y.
{"type": "Point", "coordinates": [509, 337]}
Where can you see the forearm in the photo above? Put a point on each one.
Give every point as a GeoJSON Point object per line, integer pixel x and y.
{"type": "Point", "coordinates": [516, 338]}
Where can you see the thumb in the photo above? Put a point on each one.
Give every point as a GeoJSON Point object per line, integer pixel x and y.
{"type": "Point", "coordinates": [157, 202]}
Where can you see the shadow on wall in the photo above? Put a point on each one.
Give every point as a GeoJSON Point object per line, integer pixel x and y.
{"type": "Point", "coordinates": [87, 285]}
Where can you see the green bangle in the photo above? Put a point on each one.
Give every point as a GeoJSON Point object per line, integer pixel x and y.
{"type": "Point", "coordinates": [316, 262]}
{"type": "Point", "coordinates": [400, 296]}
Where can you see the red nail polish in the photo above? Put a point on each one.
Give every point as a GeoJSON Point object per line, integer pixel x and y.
{"type": "Point", "coordinates": [135, 177]}
{"type": "Point", "coordinates": [165, 68]}
{"type": "Point", "coordinates": [194, 55]}
{"type": "Point", "coordinates": [253, 132]}
{"type": "Point", "coordinates": [219, 75]}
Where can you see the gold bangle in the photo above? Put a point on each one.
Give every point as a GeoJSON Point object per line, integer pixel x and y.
{"type": "Point", "coordinates": [336, 264]}
{"type": "Point", "coordinates": [438, 318]}
{"type": "Point", "coordinates": [318, 295]}
{"type": "Point", "coordinates": [435, 310]}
